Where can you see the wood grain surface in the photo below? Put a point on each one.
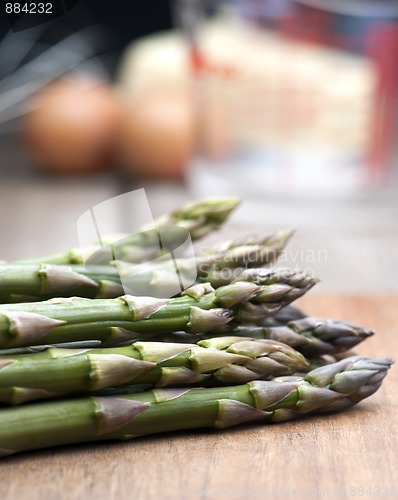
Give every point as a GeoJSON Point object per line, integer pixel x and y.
{"type": "Point", "coordinates": [346, 455]}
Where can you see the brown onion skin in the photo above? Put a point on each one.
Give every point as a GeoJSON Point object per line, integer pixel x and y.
{"type": "Point", "coordinates": [157, 134]}
{"type": "Point", "coordinates": [72, 126]}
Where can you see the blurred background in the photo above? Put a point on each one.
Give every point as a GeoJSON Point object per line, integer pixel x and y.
{"type": "Point", "coordinates": [291, 105]}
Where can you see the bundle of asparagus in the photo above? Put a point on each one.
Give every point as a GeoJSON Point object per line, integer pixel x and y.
{"type": "Point", "coordinates": [34, 282]}
{"type": "Point", "coordinates": [117, 366]}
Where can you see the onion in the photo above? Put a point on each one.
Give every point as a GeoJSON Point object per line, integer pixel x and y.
{"type": "Point", "coordinates": [73, 125]}
{"type": "Point", "coordinates": [157, 133]}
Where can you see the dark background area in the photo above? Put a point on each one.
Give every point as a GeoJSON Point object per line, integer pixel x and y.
{"type": "Point", "coordinates": [122, 21]}
{"type": "Point", "coordinates": [127, 20]}
{"type": "Point", "coordinates": [117, 22]}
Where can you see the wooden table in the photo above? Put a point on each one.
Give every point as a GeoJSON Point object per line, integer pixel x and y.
{"type": "Point", "coordinates": [345, 455]}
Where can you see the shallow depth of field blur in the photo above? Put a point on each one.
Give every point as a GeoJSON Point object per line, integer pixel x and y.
{"type": "Point", "coordinates": [283, 109]}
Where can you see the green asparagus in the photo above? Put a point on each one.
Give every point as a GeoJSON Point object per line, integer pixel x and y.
{"type": "Point", "coordinates": [229, 360]}
{"type": "Point", "coordinates": [199, 218]}
{"type": "Point", "coordinates": [329, 388]}
{"type": "Point", "coordinates": [311, 336]}
{"type": "Point", "coordinates": [199, 309]}
{"type": "Point", "coordinates": [220, 265]}
{"type": "Point", "coordinates": [35, 282]}
{"type": "Point", "coordinates": [284, 316]}
{"type": "Point", "coordinates": [223, 263]}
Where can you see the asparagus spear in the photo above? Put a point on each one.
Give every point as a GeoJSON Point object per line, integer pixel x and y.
{"type": "Point", "coordinates": [199, 218]}
{"type": "Point", "coordinates": [322, 360]}
{"type": "Point", "coordinates": [316, 338]}
{"type": "Point", "coordinates": [223, 263]}
{"type": "Point", "coordinates": [311, 336]}
{"type": "Point", "coordinates": [34, 282]}
{"type": "Point", "coordinates": [199, 309]}
{"type": "Point", "coordinates": [284, 316]}
{"type": "Point", "coordinates": [229, 360]}
{"type": "Point", "coordinates": [329, 388]}
{"type": "Point", "coordinates": [220, 265]}
{"type": "Point", "coordinates": [321, 336]}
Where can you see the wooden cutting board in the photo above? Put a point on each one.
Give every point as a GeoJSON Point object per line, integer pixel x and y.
{"type": "Point", "coordinates": [351, 454]}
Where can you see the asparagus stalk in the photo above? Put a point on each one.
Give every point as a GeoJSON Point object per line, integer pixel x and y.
{"type": "Point", "coordinates": [229, 360]}
{"type": "Point", "coordinates": [220, 265]}
{"type": "Point", "coordinates": [330, 388]}
{"type": "Point", "coordinates": [280, 318]}
{"type": "Point", "coordinates": [311, 336]}
{"type": "Point", "coordinates": [322, 360]}
{"type": "Point", "coordinates": [35, 282]}
{"type": "Point", "coordinates": [225, 262]}
{"type": "Point", "coordinates": [318, 338]}
{"type": "Point", "coordinates": [199, 218]}
{"type": "Point", "coordinates": [199, 309]}
{"type": "Point", "coordinates": [284, 316]}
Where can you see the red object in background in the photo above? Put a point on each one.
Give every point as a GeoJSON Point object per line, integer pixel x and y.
{"type": "Point", "coordinates": [197, 61]}
{"type": "Point", "coordinates": [312, 25]}
{"type": "Point", "coordinates": [199, 65]}
{"type": "Point", "coordinates": [308, 24]}
{"type": "Point", "coordinates": [382, 47]}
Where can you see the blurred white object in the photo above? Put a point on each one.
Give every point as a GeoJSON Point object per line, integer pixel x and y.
{"type": "Point", "coordinates": [299, 115]}
{"type": "Point", "coordinates": [306, 100]}
{"type": "Point", "coordinates": [155, 62]}
{"type": "Point", "coordinates": [157, 133]}
{"type": "Point", "coordinates": [321, 96]}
